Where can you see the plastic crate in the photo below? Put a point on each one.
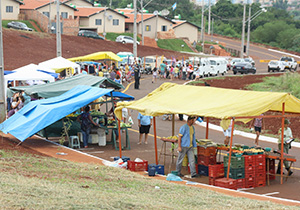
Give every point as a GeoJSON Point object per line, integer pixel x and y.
{"type": "Point", "coordinates": [216, 171]}
{"type": "Point", "coordinates": [226, 183]}
{"type": "Point", "coordinates": [240, 183]}
{"type": "Point", "coordinates": [260, 167]}
{"type": "Point", "coordinates": [250, 169]}
{"type": "Point", "coordinates": [124, 158]}
{"type": "Point", "coordinates": [249, 159]}
{"type": "Point", "coordinates": [203, 170]}
{"type": "Point", "coordinates": [249, 173]}
{"type": "Point", "coordinates": [249, 184]}
{"type": "Point", "coordinates": [137, 166]}
{"type": "Point", "coordinates": [159, 169]}
{"type": "Point", "coordinates": [260, 176]}
{"type": "Point", "coordinates": [235, 173]}
{"type": "Point", "coordinates": [206, 151]}
{"type": "Point", "coordinates": [211, 180]}
{"type": "Point", "coordinates": [236, 162]}
{"type": "Point", "coordinates": [206, 160]}
{"type": "Point", "coordinates": [261, 158]}
{"type": "Point", "coordinates": [260, 183]}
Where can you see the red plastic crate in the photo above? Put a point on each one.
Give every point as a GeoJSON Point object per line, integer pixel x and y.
{"type": "Point", "coordinates": [137, 166]}
{"type": "Point", "coordinates": [260, 176]}
{"type": "Point", "coordinates": [206, 151]}
{"type": "Point", "coordinates": [196, 165]}
{"type": "Point", "coordinates": [260, 170]}
{"type": "Point", "coordinates": [261, 158]}
{"type": "Point", "coordinates": [226, 183]}
{"type": "Point", "coordinates": [249, 169]}
{"type": "Point", "coordinates": [240, 183]}
{"type": "Point", "coordinates": [250, 179]}
{"type": "Point", "coordinates": [260, 166]}
{"type": "Point", "coordinates": [211, 180]}
{"type": "Point", "coordinates": [216, 171]}
{"type": "Point", "coordinates": [207, 160]}
{"type": "Point", "coordinates": [249, 159]}
{"type": "Point", "coordinates": [249, 184]}
{"type": "Point", "coordinates": [249, 174]}
{"type": "Point", "coordinates": [260, 183]}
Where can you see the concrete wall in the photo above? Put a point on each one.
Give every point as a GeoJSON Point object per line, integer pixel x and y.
{"type": "Point", "coordinates": [7, 15]}
{"type": "Point", "coordinates": [62, 8]}
{"type": "Point", "coordinates": [187, 31]}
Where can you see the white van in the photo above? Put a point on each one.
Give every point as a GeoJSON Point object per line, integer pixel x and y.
{"type": "Point", "coordinates": [204, 68]}
{"type": "Point", "coordinates": [219, 65]}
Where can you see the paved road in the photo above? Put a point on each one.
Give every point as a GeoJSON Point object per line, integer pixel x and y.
{"type": "Point", "coordinates": [288, 190]}
{"type": "Point", "coordinates": [256, 52]}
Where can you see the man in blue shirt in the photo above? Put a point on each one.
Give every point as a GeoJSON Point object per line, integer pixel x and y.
{"type": "Point", "coordinates": [186, 142]}
{"type": "Point", "coordinates": [145, 123]}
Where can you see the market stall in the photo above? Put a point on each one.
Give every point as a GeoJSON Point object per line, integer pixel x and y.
{"type": "Point", "coordinates": [227, 104]}
{"type": "Point", "coordinates": [97, 56]}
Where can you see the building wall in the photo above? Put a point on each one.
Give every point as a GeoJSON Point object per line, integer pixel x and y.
{"type": "Point", "coordinates": [152, 23]}
{"type": "Point", "coordinates": [187, 31]}
{"type": "Point", "coordinates": [10, 15]}
{"type": "Point", "coordinates": [109, 27]}
{"type": "Point", "coordinates": [79, 3]}
{"type": "Point", "coordinates": [62, 8]}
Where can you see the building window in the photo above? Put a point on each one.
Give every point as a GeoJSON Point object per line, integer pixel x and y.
{"type": "Point", "coordinates": [46, 14]}
{"type": "Point", "coordinates": [98, 22]}
{"type": "Point", "coordinates": [163, 28]}
{"type": "Point", "coordinates": [9, 9]}
{"type": "Point", "coordinates": [64, 15]}
{"type": "Point", "coordinates": [148, 28]}
{"type": "Point", "coordinates": [115, 22]}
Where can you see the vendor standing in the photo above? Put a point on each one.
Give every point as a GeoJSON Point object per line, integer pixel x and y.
{"type": "Point", "coordinates": [186, 142]}
{"type": "Point", "coordinates": [287, 135]}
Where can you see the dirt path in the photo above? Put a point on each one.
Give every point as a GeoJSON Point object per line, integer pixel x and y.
{"type": "Point", "coordinates": [35, 26]}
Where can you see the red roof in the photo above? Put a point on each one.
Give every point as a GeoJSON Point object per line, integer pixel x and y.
{"type": "Point", "coordinates": [138, 17]}
{"type": "Point", "coordinates": [88, 11]}
{"type": "Point", "coordinates": [33, 4]}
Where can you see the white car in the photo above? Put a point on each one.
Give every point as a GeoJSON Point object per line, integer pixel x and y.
{"type": "Point", "coordinates": [275, 65]}
{"type": "Point", "coordinates": [125, 39]}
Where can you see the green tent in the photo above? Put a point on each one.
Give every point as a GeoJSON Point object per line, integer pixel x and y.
{"type": "Point", "coordinates": [59, 87]}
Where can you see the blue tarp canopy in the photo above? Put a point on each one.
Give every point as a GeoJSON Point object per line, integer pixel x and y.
{"type": "Point", "coordinates": [120, 95]}
{"type": "Point", "coordinates": [8, 72]}
{"type": "Point", "coordinates": [55, 75]}
{"type": "Point", "coordinates": [37, 115]}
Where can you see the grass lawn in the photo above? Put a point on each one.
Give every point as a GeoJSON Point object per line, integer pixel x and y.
{"type": "Point", "coordinates": [5, 22]}
{"type": "Point", "coordinates": [35, 182]}
{"type": "Point", "coordinates": [173, 44]}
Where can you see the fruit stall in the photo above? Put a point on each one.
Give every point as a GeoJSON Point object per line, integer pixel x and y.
{"type": "Point", "coordinates": [220, 103]}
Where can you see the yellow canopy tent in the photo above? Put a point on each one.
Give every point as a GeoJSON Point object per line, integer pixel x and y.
{"type": "Point", "coordinates": [97, 56]}
{"type": "Point", "coordinates": [240, 105]}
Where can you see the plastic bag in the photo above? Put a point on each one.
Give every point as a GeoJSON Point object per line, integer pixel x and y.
{"type": "Point", "coordinates": [130, 120]}
{"type": "Point", "coordinates": [172, 177]}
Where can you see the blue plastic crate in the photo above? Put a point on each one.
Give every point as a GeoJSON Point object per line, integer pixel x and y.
{"type": "Point", "coordinates": [124, 158]}
{"type": "Point", "coordinates": [203, 170]}
{"type": "Point", "coordinates": [160, 169]}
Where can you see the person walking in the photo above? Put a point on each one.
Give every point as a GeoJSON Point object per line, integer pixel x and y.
{"type": "Point", "coordinates": [258, 124]}
{"type": "Point", "coordinates": [227, 127]}
{"type": "Point", "coordinates": [162, 68]}
{"type": "Point", "coordinates": [136, 76]}
{"type": "Point", "coordinates": [186, 142]}
{"type": "Point", "coordinates": [287, 140]}
{"type": "Point", "coordinates": [144, 122]}
{"type": "Point", "coordinates": [85, 120]}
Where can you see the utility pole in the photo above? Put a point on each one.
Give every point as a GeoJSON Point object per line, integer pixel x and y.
{"type": "Point", "coordinates": [49, 28]}
{"type": "Point", "coordinates": [202, 26]}
{"type": "Point", "coordinates": [58, 31]}
{"type": "Point", "coordinates": [104, 21]}
{"type": "Point", "coordinates": [2, 82]}
{"type": "Point", "coordinates": [110, 3]}
{"type": "Point", "coordinates": [134, 30]}
{"type": "Point", "coordinates": [209, 17]}
{"type": "Point", "coordinates": [142, 23]}
{"type": "Point", "coordinates": [248, 34]}
{"type": "Point", "coordinates": [243, 32]}
{"type": "Point", "coordinates": [212, 29]}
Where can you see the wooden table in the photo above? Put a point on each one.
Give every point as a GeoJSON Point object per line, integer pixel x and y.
{"type": "Point", "coordinates": [275, 156]}
{"type": "Point", "coordinates": [164, 153]}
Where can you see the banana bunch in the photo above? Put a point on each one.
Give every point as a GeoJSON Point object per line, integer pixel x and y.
{"type": "Point", "coordinates": [253, 150]}
{"type": "Point", "coordinates": [171, 137]}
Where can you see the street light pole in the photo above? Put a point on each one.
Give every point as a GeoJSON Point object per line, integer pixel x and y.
{"type": "Point", "coordinates": [58, 32]}
{"type": "Point", "coordinates": [2, 82]}
{"type": "Point", "coordinates": [212, 29]}
{"type": "Point", "coordinates": [243, 32]}
{"type": "Point", "coordinates": [49, 28]}
{"type": "Point", "coordinates": [142, 23]}
{"type": "Point", "coordinates": [209, 17]}
{"type": "Point", "coordinates": [134, 30]}
{"type": "Point", "coordinates": [248, 34]}
{"type": "Point", "coordinates": [202, 26]}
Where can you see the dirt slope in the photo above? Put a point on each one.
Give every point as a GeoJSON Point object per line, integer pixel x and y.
{"type": "Point", "coordinates": [22, 48]}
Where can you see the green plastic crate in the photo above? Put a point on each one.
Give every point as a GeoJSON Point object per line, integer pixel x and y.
{"type": "Point", "coordinates": [236, 162]}
{"type": "Point", "coordinates": [235, 173]}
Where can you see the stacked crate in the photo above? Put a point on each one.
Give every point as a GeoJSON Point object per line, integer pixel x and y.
{"type": "Point", "coordinates": [205, 156]}
{"type": "Point", "coordinates": [215, 172]}
{"type": "Point", "coordinates": [249, 170]}
{"type": "Point", "coordinates": [237, 170]}
{"type": "Point", "coordinates": [226, 183]}
{"type": "Point", "coordinates": [260, 170]}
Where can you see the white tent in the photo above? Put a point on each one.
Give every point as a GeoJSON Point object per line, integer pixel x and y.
{"type": "Point", "coordinates": [27, 67]}
{"type": "Point", "coordinates": [28, 74]}
{"type": "Point", "coordinates": [59, 63]}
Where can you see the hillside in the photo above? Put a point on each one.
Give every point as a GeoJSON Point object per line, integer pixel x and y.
{"type": "Point", "coordinates": [22, 48]}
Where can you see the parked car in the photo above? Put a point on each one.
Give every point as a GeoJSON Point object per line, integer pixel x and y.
{"type": "Point", "coordinates": [125, 39]}
{"type": "Point", "coordinates": [243, 68]}
{"type": "Point", "coordinates": [19, 25]}
{"type": "Point", "coordinates": [250, 60]}
{"type": "Point", "coordinates": [275, 65]}
{"type": "Point", "coordinates": [234, 61]}
{"type": "Point", "coordinates": [90, 34]}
